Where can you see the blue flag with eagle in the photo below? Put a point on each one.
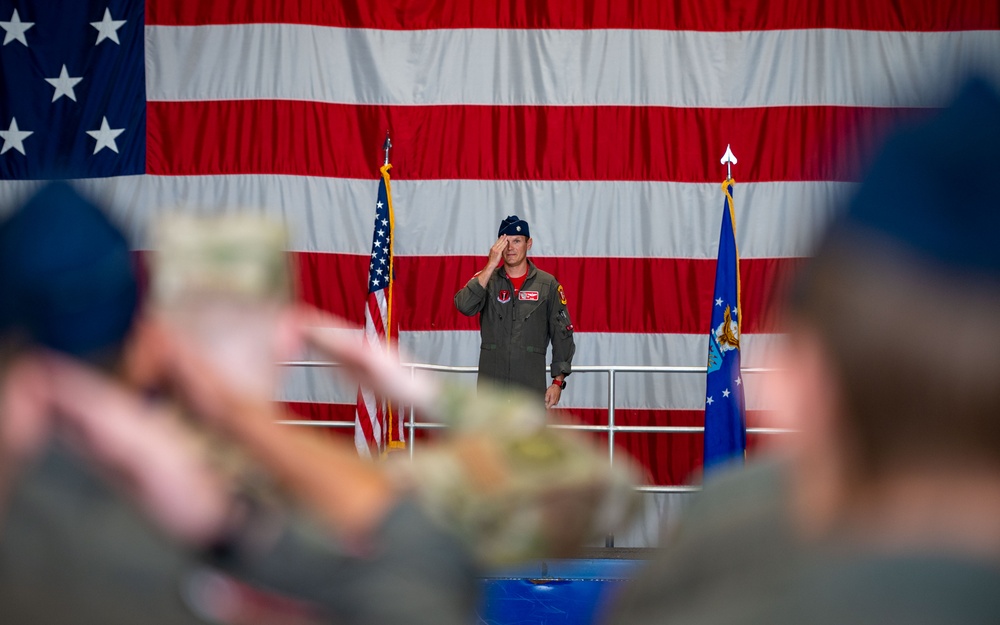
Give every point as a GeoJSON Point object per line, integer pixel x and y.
{"type": "Point", "coordinates": [725, 414]}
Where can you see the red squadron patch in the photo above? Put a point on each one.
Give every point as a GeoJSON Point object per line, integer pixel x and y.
{"type": "Point", "coordinates": [562, 295]}
{"type": "Point", "coordinates": [503, 296]}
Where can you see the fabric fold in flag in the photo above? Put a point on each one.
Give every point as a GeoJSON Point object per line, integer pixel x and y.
{"type": "Point", "coordinates": [725, 412]}
{"type": "Point", "coordinates": [377, 425]}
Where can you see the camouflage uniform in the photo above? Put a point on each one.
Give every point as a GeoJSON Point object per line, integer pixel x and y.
{"type": "Point", "coordinates": [516, 331]}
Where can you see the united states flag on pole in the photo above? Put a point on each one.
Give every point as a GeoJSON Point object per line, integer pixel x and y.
{"type": "Point", "coordinates": [376, 426]}
{"type": "Point", "coordinates": [600, 122]}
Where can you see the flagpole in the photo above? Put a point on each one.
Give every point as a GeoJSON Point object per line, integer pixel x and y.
{"type": "Point", "coordinates": [386, 146]}
{"type": "Point", "coordinates": [725, 419]}
{"type": "Point", "coordinates": [729, 159]}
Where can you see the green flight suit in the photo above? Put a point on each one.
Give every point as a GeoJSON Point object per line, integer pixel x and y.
{"type": "Point", "coordinates": [516, 331]}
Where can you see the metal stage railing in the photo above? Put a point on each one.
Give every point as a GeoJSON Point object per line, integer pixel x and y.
{"type": "Point", "coordinates": [611, 428]}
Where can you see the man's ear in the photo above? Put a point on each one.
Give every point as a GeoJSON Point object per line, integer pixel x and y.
{"type": "Point", "coordinates": [528, 246]}
{"type": "Point", "coordinates": [25, 412]}
{"type": "Point", "coordinates": [807, 394]}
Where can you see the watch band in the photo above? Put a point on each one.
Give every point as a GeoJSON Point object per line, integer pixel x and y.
{"type": "Point", "coordinates": [561, 385]}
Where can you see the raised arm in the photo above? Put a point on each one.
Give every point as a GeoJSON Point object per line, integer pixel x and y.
{"type": "Point", "coordinates": [470, 299]}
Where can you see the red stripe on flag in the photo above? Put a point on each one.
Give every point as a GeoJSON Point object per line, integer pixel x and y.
{"type": "Point", "coordinates": [705, 15]}
{"type": "Point", "coordinates": [364, 421]}
{"type": "Point", "coordinates": [513, 142]}
{"type": "Point", "coordinates": [644, 295]}
{"type": "Point", "coordinates": [378, 323]}
{"type": "Point", "coordinates": [635, 295]}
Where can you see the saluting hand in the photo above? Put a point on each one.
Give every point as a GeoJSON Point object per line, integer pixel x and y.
{"type": "Point", "coordinates": [497, 251]}
{"type": "Point", "coordinates": [496, 255]}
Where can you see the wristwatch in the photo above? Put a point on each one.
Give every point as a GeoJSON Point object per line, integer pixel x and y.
{"type": "Point", "coordinates": [561, 385]}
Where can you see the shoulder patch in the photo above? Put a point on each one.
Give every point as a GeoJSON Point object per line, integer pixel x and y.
{"type": "Point", "coordinates": [562, 295]}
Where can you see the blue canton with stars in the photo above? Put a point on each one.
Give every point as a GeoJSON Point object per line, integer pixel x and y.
{"type": "Point", "coordinates": [72, 88]}
{"type": "Point", "coordinates": [378, 268]}
{"type": "Point", "coordinates": [725, 415]}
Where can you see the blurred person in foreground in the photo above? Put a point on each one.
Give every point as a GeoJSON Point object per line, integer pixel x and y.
{"type": "Point", "coordinates": [884, 506]}
{"type": "Point", "coordinates": [374, 548]}
{"type": "Point", "coordinates": [110, 506]}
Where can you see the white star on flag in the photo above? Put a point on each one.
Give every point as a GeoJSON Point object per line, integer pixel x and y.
{"type": "Point", "coordinates": [13, 137]}
{"type": "Point", "coordinates": [105, 136]}
{"type": "Point", "coordinates": [709, 401]}
{"type": "Point", "coordinates": [108, 29]}
{"type": "Point", "coordinates": [718, 302]}
{"type": "Point", "coordinates": [15, 29]}
{"type": "Point", "coordinates": [378, 204]}
{"type": "Point", "coordinates": [738, 381]}
{"type": "Point", "coordinates": [64, 85]}
{"type": "Point", "coordinates": [385, 222]}
{"type": "Point", "coordinates": [725, 393]}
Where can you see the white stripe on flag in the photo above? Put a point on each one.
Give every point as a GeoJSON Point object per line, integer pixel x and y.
{"type": "Point", "coordinates": [619, 219]}
{"type": "Point", "coordinates": [563, 67]}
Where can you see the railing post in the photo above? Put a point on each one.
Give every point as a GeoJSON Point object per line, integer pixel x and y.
{"type": "Point", "coordinates": [611, 416]}
{"type": "Point", "coordinates": [410, 426]}
{"type": "Point", "coordinates": [609, 540]}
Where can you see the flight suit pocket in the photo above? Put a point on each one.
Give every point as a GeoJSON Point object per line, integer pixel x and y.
{"type": "Point", "coordinates": [534, 327]}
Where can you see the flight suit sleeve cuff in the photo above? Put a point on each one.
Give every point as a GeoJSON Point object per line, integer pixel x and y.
{"type": "Point", "coordinates": [476, 288]}
{"type": "Point", "coordinates": [560, 368]}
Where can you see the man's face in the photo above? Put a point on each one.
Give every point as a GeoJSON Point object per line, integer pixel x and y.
{"type": "Point", "coordinates": [517, 250]}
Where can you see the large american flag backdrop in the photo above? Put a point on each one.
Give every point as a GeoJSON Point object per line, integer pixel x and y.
{"type": "Point", "coordinates": [601, 122]}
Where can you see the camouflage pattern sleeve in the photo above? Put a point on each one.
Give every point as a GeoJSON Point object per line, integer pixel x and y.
{"type": "Point", "coordinates": [510, 487]}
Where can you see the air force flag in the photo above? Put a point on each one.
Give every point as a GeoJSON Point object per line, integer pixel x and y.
{"type": "Point", "coordinates": [725, 421]}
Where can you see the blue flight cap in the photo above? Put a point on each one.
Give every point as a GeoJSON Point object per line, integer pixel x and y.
{"type": "Point", "coordinates": [66, 275]}
{"type": "Point", "coordinates": [933, 191]}
{"type": "Point", "coordinates": [513, 226]}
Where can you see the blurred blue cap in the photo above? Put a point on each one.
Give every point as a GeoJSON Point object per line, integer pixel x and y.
{"type": "Point", "coordinates": [67, 279]}
{"type": "Point", "coordinates": [932, 189]}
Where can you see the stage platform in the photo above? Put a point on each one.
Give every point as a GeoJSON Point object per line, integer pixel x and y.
{"type": "Point", "coordinates": [559, 592]}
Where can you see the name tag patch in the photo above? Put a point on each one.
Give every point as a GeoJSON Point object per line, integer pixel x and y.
{"type": "Point", "coordinates": [528, 296]}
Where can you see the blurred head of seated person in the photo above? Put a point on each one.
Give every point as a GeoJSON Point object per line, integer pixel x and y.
{"type": "Point", "coordinates": [69, 286]}
{"type": "Point", "coordinates": [893, 363]}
